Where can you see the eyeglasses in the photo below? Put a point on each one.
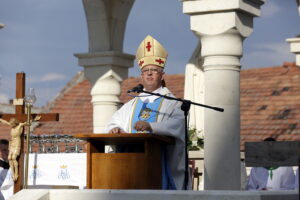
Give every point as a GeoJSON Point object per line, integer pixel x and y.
{"type": "Point", "coordinates": [154, 71]}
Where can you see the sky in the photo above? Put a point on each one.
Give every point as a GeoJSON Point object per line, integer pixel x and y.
{"type": "Point", "coordinates": [41, 36]}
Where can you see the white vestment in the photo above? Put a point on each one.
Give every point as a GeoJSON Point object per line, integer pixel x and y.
{"type": "Point", "coordinates": [7, 187]}
{"type": "Point", "coordinates": [3, 173]}
{"type": "Point", "coordinates": [283, 179]}
{"type": "Point", "coordinates": [170, 122]}
{"type": "Point", "coordinates": [297, 179]}
{"type": "Point", "coordinates": [194, 88]}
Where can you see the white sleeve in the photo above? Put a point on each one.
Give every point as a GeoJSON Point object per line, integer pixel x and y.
{"type": "Point", "coordinates": [120, 118]}
{"type": "Point", "coordinates": [172, 126]}
{"type": "Point", "coordinates": [7, 188]}
{"type": "Point", "coordinates": [251, 184]}
{"type": "Point", "coordinates": [3, 173]}
{"type": "Point", "coordinates": [258, 179]}
{"type": "Point", "coordinates": [288, 179]}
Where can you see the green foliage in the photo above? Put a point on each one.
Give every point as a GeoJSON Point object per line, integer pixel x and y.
{"type": "Point", "coordinates": [196, 140]}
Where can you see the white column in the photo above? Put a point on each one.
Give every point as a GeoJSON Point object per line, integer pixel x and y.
{"type": "Point", "coordinates": [105, 65]}
{"type": "Point", "coordinates": [105, 71]}
{"type": "Point", "coordinates": [221, 25]}
{"type": "Point", "coordinates": [295, 48]}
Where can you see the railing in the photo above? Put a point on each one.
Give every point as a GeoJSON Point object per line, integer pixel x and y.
{"type": "Point", "coordinates": [56, 143]}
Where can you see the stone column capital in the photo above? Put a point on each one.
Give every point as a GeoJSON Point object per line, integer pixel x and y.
{"type": "Point", "coordinates": [105, 71]}
{"type": "Point", "coordinates": [295, 44]}
{"type": "Point", "coordinates": [99, 63]}
{"type": "Point", "coordinates": [212, 17]}
{"type": "Point", "coordinates": [114, 58]}
{"type": "Point", "coordinates": [222, 51]}
{"type": "Point", "coordinates": [295, 48]}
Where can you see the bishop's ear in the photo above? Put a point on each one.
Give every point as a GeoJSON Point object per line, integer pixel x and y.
{"type": "Point", "coordinates": [163, 83]}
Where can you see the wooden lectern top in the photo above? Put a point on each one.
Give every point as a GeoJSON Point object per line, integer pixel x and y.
{"type": "Point", "coordinates": [124, 137]}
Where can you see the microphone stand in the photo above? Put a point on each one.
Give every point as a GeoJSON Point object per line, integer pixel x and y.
{"type": "Point", "coordinates": [185, 107]}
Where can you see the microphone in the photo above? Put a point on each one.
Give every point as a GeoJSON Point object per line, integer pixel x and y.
{"type": "Point", "coordinates": [139, 88]}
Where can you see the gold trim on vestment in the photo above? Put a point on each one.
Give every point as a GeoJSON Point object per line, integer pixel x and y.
{"type": "Point", "coordinates": [159, 108]}
{"type": "Point", "coordinates": [132, 115]}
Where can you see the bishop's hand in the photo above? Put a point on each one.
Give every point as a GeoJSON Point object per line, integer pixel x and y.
{"type": "Point", "coordinates": [142, 126]}
{"type": "Point", "coordinates": [116, 130]}
{"type": "Point", "coordinates": [37, 118]}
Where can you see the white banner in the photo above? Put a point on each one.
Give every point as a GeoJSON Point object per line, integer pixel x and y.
{"type": "Point", "coordinates": [51, 169]}
{"type": "Point", "coordinates": [57, 169]}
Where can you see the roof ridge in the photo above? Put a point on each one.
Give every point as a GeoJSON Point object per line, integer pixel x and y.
{"type": "Point", "coordinates": [78, 78]}
{"type": "Point", "coordinates": [285, 65]}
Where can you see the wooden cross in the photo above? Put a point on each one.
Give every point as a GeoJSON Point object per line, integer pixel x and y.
{"type": "Point", "coordinates": [22, 117]}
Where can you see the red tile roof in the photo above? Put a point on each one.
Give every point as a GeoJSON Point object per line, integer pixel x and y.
{"type": "Point", "coordinates": [270, 104]}
{"type": "Point", "coordinates": [74, 108]}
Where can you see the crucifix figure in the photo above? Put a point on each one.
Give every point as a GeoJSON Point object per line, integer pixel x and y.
{"type": "Point", "coordinates": [16, 131]}
{"type": "Point", "coordinates": [17, 121]}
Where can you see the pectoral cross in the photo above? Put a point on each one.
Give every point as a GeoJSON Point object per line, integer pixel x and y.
{"type": "Point", "coordinates": [22, 117]}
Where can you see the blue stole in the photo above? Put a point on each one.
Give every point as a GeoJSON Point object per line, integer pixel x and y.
{"type": "Point", "coordinates": [148, 112]}
{"type": "Point", "coordinates": [145, 111]}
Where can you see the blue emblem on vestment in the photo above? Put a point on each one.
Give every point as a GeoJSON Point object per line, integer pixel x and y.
{"type": "Point", "coordinates": [145, 111]}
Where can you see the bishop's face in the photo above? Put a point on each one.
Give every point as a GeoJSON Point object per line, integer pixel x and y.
{"type": "Point", "coordinates": [152, 77]}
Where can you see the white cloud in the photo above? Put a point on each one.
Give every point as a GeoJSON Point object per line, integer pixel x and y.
{"type": "Point", "coordinates": [53, 77]}
{"type": "Point", "coordinates": [269, 9]}
{"type": "Point", "coordinates": [48, 77]}
{"type": "Point", "coordinates": [267, 55]}
{"type": "Point", "coordinates": [279, 48]}
{"type": "Point", "coordinates": [45, 95]}
{"type": "Point", "coordinates": [3, 98]}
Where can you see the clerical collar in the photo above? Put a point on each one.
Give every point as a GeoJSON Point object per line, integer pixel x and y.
{"type": "Point", "coordinates": [150, 98]}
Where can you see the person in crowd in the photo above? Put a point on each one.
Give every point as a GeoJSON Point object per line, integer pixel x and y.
{"type": "Point", "coordinates": [271, 178]}
{"type": "Point", "coordinates": [4, 166]}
